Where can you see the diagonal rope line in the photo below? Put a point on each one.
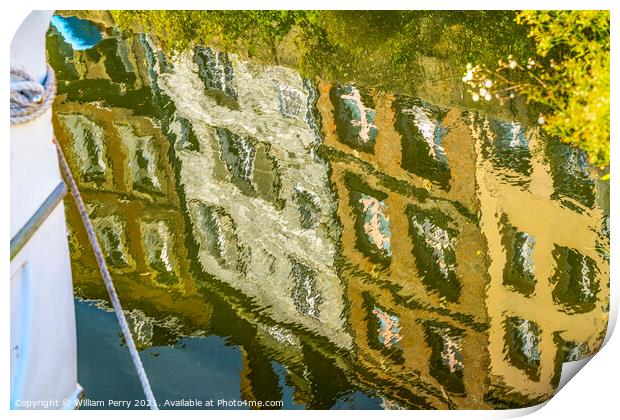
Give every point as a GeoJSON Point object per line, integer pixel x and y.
{"type": "Point", "coordinates": [107, 279]}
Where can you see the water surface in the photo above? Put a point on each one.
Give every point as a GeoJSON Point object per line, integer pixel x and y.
{"type": "Point", "coordinates": [326, 244]}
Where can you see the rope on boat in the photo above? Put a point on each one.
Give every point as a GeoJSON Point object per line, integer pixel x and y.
{"type": "Point", "coordinates": [107, 279]}
{"type": "Point", "coordinates": [30, 100]}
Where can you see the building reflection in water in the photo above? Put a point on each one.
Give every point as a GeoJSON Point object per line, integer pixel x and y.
{"type": "Point", "coordinates": [352, 239]}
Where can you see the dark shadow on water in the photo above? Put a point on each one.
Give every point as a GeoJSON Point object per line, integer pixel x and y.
{"type": "Point", "coordinates": [203, 368]}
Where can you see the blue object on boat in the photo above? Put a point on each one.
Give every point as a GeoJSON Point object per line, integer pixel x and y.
{"type": "Point", "coordinates": [82, 34]}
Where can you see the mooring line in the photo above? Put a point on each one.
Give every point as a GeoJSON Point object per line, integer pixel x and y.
{"type": "Point", "coordinates": [107, 279]}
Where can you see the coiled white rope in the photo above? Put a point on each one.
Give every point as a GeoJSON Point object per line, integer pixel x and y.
{"type": "Point", "coordinates": [29, 98]}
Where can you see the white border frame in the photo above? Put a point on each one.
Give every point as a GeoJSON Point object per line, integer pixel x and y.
{"type": "Point", "coordinates": [593, 393]}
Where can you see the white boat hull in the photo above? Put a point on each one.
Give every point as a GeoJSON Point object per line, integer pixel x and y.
{"type": "Point", "coordinates": [43, 334]}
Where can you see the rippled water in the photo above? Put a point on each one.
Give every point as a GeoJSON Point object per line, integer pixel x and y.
{"type": "Point", "coordinates": [279, 238]}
